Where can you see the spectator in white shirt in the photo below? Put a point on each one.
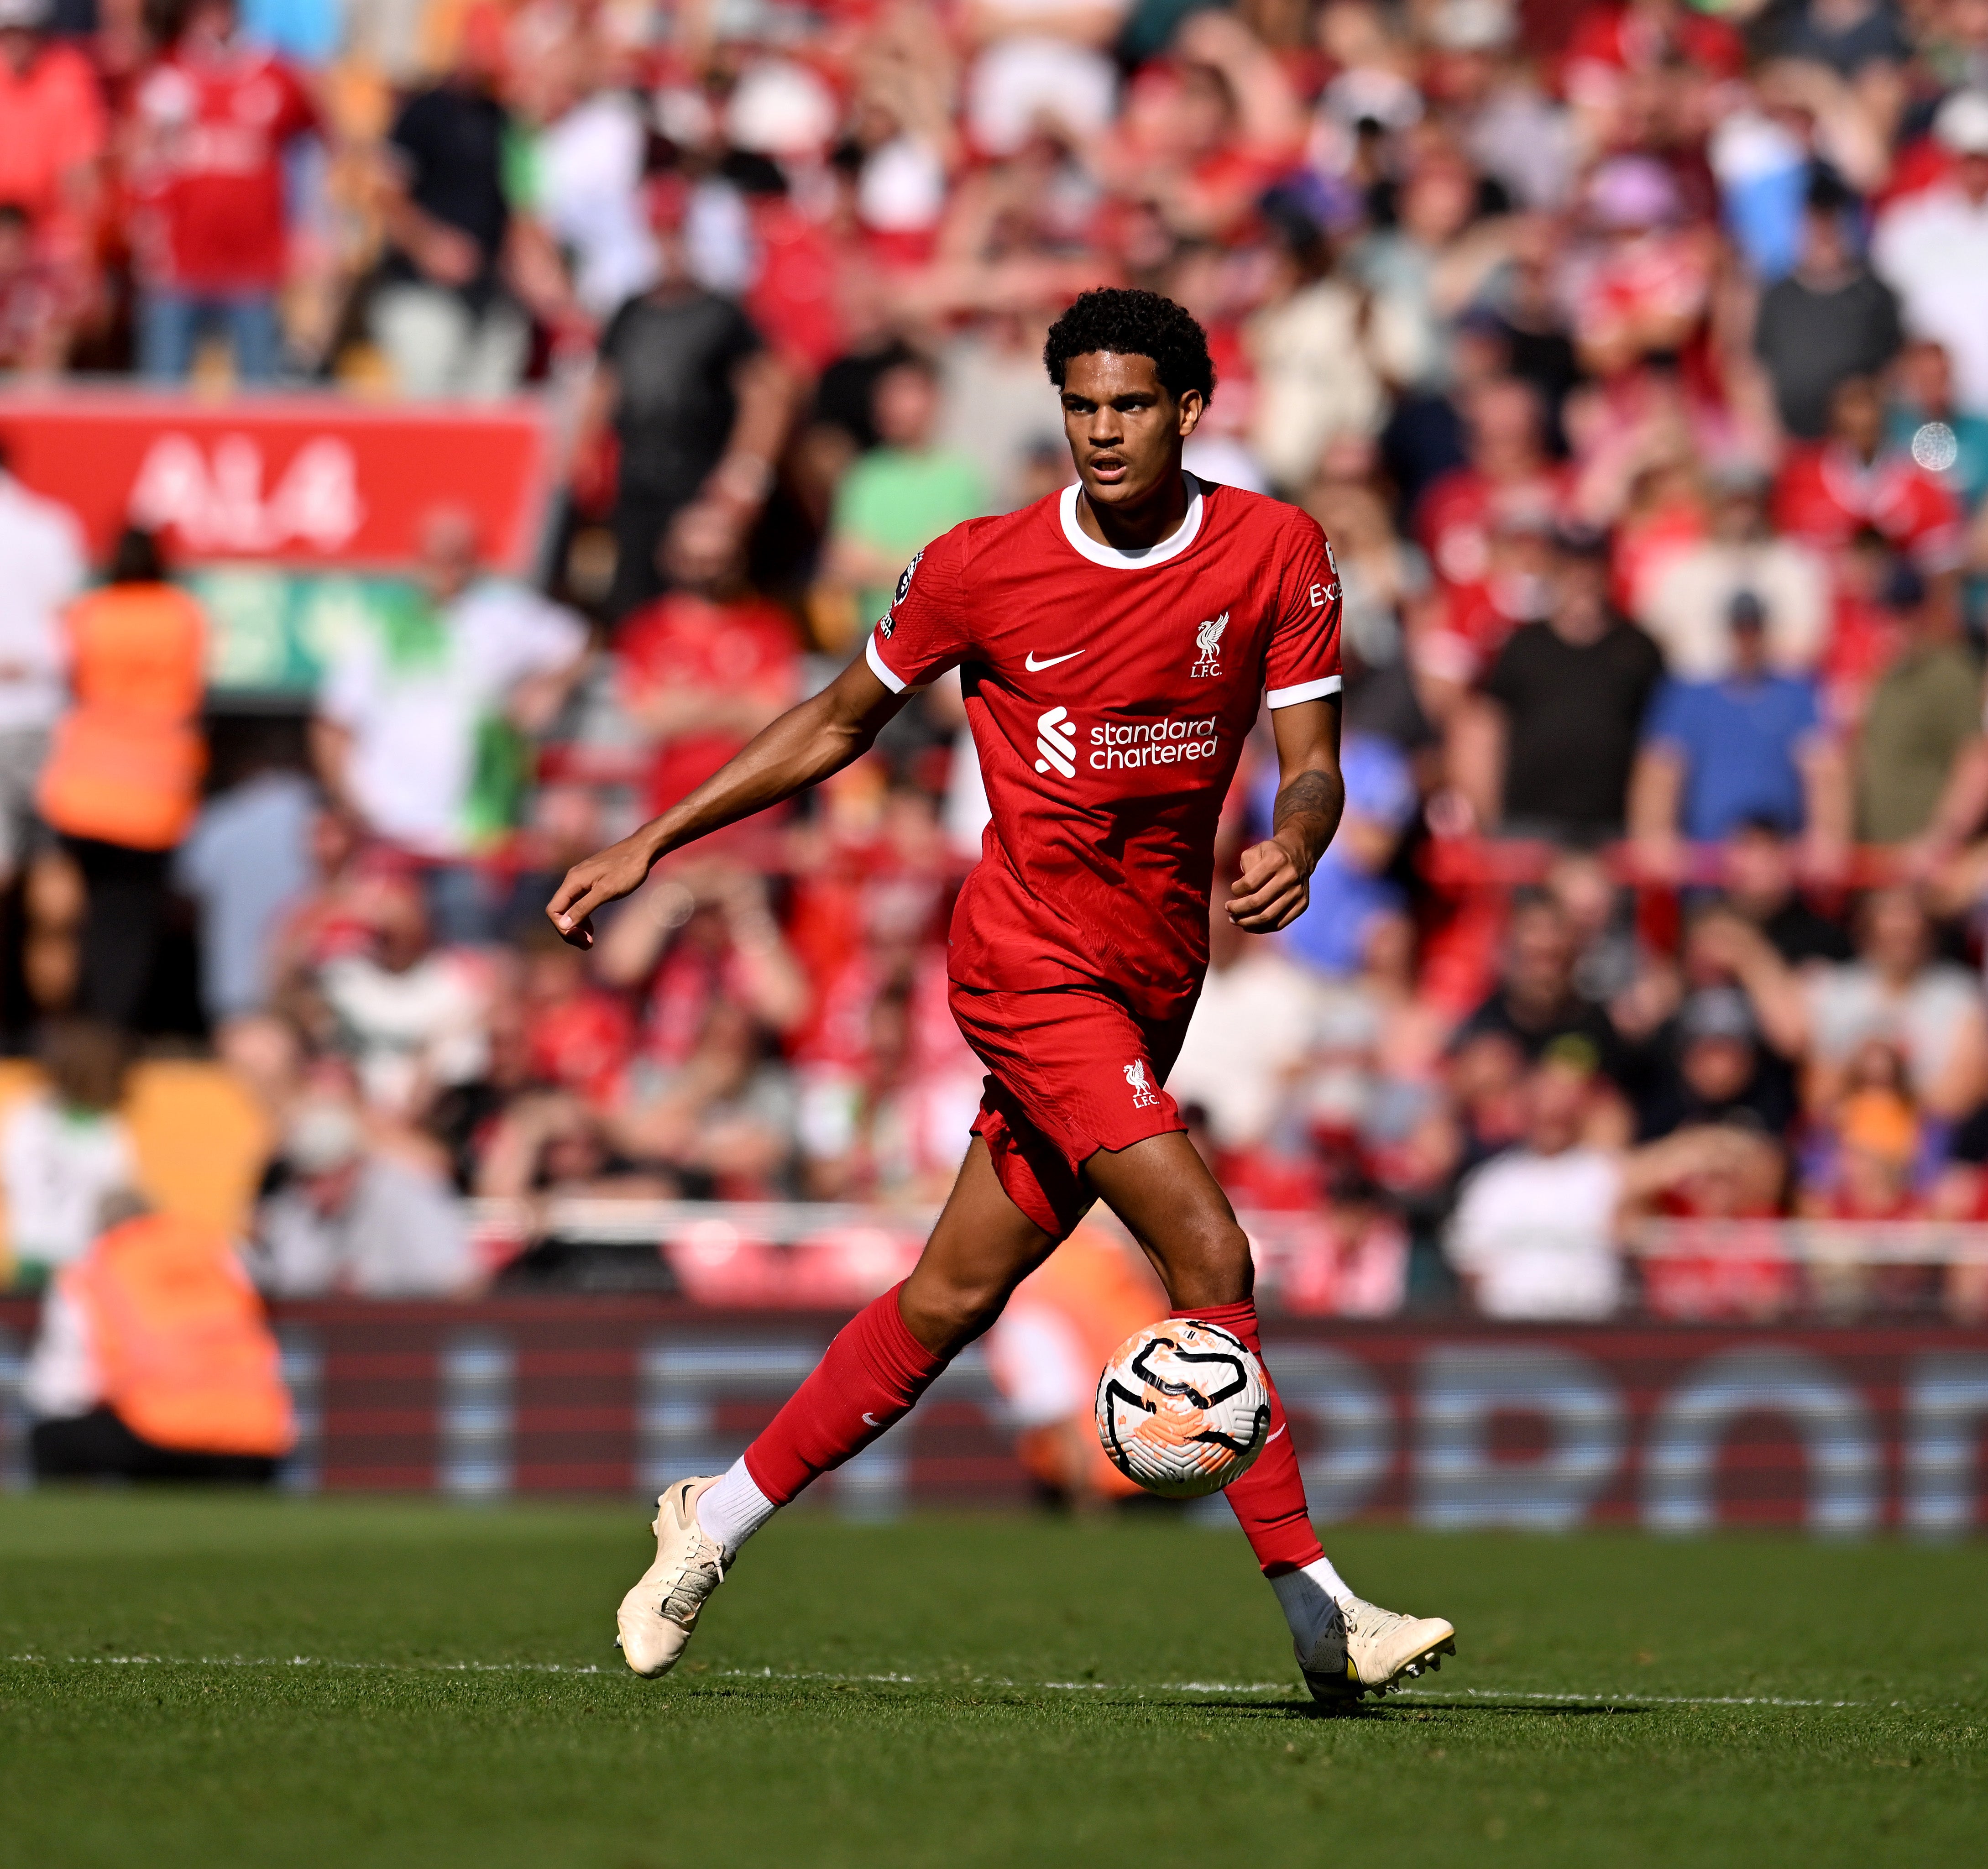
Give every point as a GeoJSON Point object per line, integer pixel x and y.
{"type": "Point", "coordinates": [351, 1220]}
{"type": "Point", "coordinates": [1536, 1228]}
{"type": "Point", "coordinates": [1250, 1037]}
{"type": "Point", "coordinates": [1687, 604]}
{"type": "Point", "coordinates": [420, 723]}
{"type": "Point", "coordinates": [65, 1151]}
{"type": "Point", "coordinates": [1897, 990]}
{"type": "Point", "coordinates": [1041, 62]}
{"type": "Point", "coordinates": [413, 1020]}
{"type": "Point", "coordinates": [1932, 250]}
{"type": "Point", "coordinates": [42, 566]}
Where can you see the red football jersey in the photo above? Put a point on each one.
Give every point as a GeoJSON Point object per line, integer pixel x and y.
{"type": "Point", "coordinates": [682, 641]}
{"type": "Point", "coordinates": [1826, 495]}
{"type": "Point", "coordinates": [216, 196]}
{"type": "Point", "coordinates": [1110, 694]}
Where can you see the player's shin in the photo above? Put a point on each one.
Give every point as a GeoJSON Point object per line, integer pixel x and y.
{"type": "Point", "coordinates": [1346, 1646]}
{"type": "Point", "coordinates": [866, 1381]}
{"type": "Point", "coordinates": [1269, 1501]}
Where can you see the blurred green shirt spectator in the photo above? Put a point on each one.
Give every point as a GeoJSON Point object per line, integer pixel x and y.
{"type": "Point", "coordinates": [898, 497]}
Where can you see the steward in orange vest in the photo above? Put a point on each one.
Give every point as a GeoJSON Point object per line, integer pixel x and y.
{"type": "Point", "coordinates": [159, 1319]}
{"type": "Point", "coordinates": [122, 781]}
{"type": "Point", "coordinates": [1079, 1305]}
{"type": "Point", "coordinates": [127, 759]}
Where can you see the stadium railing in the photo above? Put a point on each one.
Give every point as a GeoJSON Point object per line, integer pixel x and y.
{"type": "Point", "coordinates": [777, 1255]}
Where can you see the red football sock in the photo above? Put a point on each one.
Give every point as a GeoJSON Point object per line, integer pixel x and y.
{"type": "Point", "coordinates": [867, 1379]}
{"type": "Point", "coordinates": [1269, 1499]}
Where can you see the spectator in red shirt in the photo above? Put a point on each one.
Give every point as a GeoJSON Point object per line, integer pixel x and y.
{"type": "Point", "coordinates": [1204, 134]}
{"type": "Point", "coordinates": [52, 134]}
{"type": "Point", "coordinates": [1641, 284]}
{"type": "Point", "coordinates": [1509, 477]}
{"type": "Point", "coordinates": [213, 117]}
{"type": "Point", "coordinates": [708, 665]}
{"type": "Point", "coordinates": [1866, 1164]}
{"type": "Point", "coordinates": [1481, 526]}
{"type": "Point", "coordinates": [38, 307]}
{"type": "Point", "coordinates": [578, 1037]}
{"type": "Point", "coordinates": [1725, 1259]}
{"type": "Point", "coordinates": [1832, 490]}
{"type": "Point", "coordinates": [1612, 42]}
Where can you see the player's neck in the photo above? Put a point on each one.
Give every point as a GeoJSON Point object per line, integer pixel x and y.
{"type": "Point", "coordinates": [1135, 526]}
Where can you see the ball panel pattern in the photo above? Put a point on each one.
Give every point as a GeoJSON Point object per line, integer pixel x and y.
{"type": "Point", "coordinates": [1182, 1408]}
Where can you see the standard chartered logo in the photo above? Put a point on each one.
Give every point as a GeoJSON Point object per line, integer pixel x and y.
{"type": "Point", "coordinates": [1115, 746]}
{"type": "Point", "coordinates": [1055, 740]}
{"type": "Point", "coordinates": [1154, 743]}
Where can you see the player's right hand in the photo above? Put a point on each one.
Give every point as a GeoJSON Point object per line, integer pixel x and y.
{"type": "Point", "coordinates": [606, 877]}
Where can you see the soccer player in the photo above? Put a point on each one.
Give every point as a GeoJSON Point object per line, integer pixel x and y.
{"type": "Point", "coordinates": [1115, 642]}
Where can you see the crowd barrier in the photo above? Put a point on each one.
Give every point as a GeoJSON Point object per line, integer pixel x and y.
{"type": "Point", "coordinates": [800, 1255]}
{"type": "Point", "coordinates": [1669, 1427]}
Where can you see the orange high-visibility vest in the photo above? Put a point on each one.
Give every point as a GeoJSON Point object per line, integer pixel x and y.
{"type": "Point", "coordinates": [1106, 1294]}
{"type": "Point", "coordinates": [187, 1358]}
{"type": "Point", "coordinates": [127, 761]}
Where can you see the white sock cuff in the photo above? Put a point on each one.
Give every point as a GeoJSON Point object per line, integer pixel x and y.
{"type": "Point", "coordinates": [1306, 1597]}
{"type": "Point", "coordinates": [733, 1510]}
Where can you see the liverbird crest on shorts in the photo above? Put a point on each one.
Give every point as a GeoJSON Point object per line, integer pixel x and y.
{"type": "Point", "coordinates": [1207, 640]}
{"type": "Point", "coordinates": [1142, 1092]}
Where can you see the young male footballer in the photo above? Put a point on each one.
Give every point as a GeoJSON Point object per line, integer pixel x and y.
{"type": "Point", "coordinates": [1115, 642]}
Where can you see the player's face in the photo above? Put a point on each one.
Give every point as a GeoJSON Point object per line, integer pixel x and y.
{"type": "Point", "coordinates": [1124, 429]}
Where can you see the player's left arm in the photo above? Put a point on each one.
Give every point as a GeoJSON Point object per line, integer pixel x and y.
{"type": "Point", "coordinates": [1275, 885]}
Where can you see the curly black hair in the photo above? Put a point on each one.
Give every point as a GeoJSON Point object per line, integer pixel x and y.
{"type": "Point", "coordinates": [1134, 323]}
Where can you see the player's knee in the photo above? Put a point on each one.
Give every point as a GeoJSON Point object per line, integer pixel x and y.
{"type": "Point", "coordinates": [949, 1312]}
{"type": "Point", "coordinates": [1209, 1262]}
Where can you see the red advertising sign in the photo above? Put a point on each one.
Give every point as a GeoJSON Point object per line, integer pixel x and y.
{"type": "Point", "coordinates": [1669, 1427]}
{"type": "Point", "coordinates": [302, 480]}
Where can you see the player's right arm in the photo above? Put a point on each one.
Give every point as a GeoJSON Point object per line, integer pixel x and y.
{"type": "Point", "coordinates": [806, 745]}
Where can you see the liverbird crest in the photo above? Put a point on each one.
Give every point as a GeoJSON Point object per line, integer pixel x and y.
{"type": "Point", "coordinates": [1208, 640]}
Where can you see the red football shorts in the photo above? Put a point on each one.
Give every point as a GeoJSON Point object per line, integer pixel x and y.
{"type": "Point", "coordinates": [1070, 1071]}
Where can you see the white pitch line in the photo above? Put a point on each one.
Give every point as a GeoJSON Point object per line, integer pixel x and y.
{"type": "Point", "coordinates": [1461, 1695]}
{"type": "Point", "coordinates": [1458, 1696]}
{"type": "Point", "coordinates": [309, 1661]}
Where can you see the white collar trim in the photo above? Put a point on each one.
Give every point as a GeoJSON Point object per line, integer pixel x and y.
{"type": "Point", "coordinates": [1140, 556]}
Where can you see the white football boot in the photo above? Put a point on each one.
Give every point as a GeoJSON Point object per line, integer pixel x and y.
{"type": "Point", "coordinates": [657, 1617]}
{"type": "Point", "coordinates": [1365, 1649]}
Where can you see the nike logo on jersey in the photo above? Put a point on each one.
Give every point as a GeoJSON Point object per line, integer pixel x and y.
{"type": "Point", "coordinates": [873, 1420]}
{"type": "Point", "coordinates": [1055, 740]}
{"type": "Point", "coordinates": [1048, 662]}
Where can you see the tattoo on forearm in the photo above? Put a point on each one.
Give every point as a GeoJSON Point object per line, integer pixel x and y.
{"type": "Point", "coordinates": [1309, 795]}
{"type": "Point", "coordinates": [1311, 805]}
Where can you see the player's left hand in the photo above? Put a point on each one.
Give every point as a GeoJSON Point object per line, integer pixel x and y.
{"type": "Point", "coordinates": [1271, 893]}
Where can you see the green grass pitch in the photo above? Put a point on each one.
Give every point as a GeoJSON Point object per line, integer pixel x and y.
{"type": "Point", "coordinates": [960, 1691]}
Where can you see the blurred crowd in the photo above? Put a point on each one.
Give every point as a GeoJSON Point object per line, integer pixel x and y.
{"type": "Point", "coordinates": [1633, 357]}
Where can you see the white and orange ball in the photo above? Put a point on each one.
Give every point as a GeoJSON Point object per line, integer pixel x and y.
{"type": "Point", "coordinates": [1182, 1408]}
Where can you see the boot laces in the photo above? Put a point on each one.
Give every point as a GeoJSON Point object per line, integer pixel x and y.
{"type": "Point", "coordinates": [1370, 1622]}
{"type": "Point", "coordinates": [686, 1588]}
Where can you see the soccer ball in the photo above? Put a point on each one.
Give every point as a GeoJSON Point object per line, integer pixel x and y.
{"type": "Point", "coordinates": [1182, 1408]}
